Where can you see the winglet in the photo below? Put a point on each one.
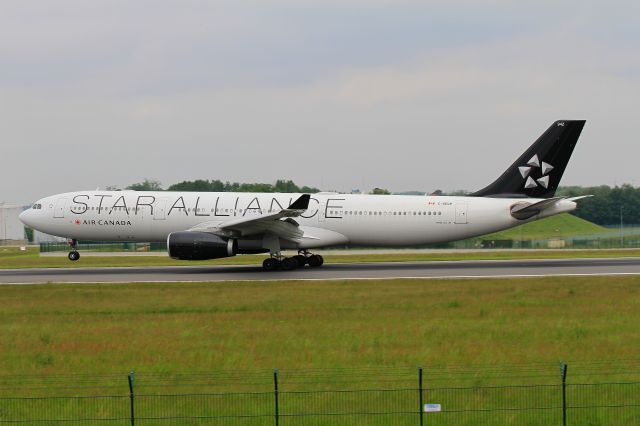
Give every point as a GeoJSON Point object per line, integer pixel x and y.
{"type": "Point", "coordinates": [301, 203]}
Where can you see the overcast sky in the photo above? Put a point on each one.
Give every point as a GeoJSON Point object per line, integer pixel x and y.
{"type": "Point", "coordinates": [405, 95]}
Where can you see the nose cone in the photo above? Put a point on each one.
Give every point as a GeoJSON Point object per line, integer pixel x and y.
{"type": "Point", "coordinates": [26, 217]}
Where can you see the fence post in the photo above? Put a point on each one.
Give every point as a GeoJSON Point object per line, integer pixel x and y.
{"type": "Point", "coordinates": [275, 394]}
{"type": "Point", "coordinates": [563, 372]}
{"type": "Point", "coordinates": [421, 396]}
{"type": "Point", "coordinates": [130, 377]}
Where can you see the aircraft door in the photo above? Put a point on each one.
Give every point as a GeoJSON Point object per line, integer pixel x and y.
{"type": "Point", "coordinates": [160, 210]}
{"type": "Point", "coordinates": [461, 213]}
{"type": "Point", "coordinates": [58, 210]}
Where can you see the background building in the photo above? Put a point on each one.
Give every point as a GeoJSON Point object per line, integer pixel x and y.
{"type": "Point", "coordinates": [11, 229]}
{"type": "Point", "coordinates": [41, 237]}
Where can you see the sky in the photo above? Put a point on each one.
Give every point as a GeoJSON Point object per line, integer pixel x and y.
{"type": "Point", "coordinates": [404, 95]}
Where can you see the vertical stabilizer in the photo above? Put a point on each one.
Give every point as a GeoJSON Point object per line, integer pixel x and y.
{"type": "Point", "coordinates": [538, 171]}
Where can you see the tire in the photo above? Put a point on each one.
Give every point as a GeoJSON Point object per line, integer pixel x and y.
{"type": "Point", "coordinates": [302, 260]}
{"type": "Point", "coordinates": [270, 264]}
{"type": "Point", "coordinates": [289, 263]}
{"type": "Point", "coordinates": [315, 261]}
{"type": "Point", "coordinates": [73, 256]}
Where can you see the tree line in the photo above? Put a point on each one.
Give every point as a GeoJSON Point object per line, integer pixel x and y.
{"type": "Point", "coordinates": [606, 206]}
{"type": "Point", "coordinates": [214, 185]}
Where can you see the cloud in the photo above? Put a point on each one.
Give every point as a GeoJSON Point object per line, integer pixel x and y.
{"type": "Point", "coordinates": [337, 95]}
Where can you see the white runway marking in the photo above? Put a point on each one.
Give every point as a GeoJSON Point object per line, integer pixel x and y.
{"type": "Point", "coordinates": [431, 278]}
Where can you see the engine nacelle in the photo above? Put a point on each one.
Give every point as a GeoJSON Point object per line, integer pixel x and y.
{"type": "Point", "coordinates": [200, 246]}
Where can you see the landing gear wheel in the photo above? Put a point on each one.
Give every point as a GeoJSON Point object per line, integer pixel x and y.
{"type": "Point", "coordinates": [315, 261]}
{"type": "Point", "coordinates": [270, 264]}
{"type": "Point", "coordinates": [302, 260]}
{"type": "Point", "coordinates": [73, 254]}
{"type": "Point", "coordinates": [289, 263]}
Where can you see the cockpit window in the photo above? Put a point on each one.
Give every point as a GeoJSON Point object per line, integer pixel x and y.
{"type": "Point", "coordinates": [37, 206]}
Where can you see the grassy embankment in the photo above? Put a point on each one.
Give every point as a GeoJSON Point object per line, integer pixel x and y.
{"type": "Point", "coordinates": [560, 226]}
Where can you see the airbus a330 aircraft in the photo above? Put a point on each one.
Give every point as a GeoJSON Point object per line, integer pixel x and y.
{"type": "Point", "coordinates": [209, 225]}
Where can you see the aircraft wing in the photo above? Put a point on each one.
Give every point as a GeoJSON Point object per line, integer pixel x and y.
{"type": "Point", "coordinates": [280, 223]}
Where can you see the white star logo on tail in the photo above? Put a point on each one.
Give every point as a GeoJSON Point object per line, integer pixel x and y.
{"type": "Point", "coordinates": [531, 182]}
{"type": "Point", "coordinates": [524, 171]}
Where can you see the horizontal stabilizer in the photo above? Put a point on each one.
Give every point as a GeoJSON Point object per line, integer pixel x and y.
{"type": "Point", "coordinates": [525, 210]}
{"type": "Point", "coordinates": [579, 198]}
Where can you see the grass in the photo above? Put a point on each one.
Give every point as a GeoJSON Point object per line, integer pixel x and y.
{"type": "Point", "coordinates": [563, 225]}
{"type": "Point", "coordinates": [67, 333]}
{"type": "Point", "coordinates": [11, 258]}
{"type": "Point", "coordinates": [181, 327]}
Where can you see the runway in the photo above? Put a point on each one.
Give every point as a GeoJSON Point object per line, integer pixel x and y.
{"type": "Point", "coordinates": [450, 269]}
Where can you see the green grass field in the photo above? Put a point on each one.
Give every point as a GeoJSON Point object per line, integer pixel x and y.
{"type": "Point", "coordinates": [181, 327]}
{"type": "Point", "coordinates": [82, 339]}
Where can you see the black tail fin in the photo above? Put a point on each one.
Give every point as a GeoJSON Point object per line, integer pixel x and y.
{"type": "Point", "coordinates": [537, 172]}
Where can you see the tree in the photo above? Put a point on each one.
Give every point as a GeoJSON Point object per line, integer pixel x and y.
{"type": "Point", "coordinates": [147, 185]}
{"type": "Point", "coordinates": [281, 185]}
{"type": "Point", "coordinates": [458, 193]}
{"type": "Point", "coordinates": [380, 191]}
{"type": "Point", "coordinates": [604, 208]}
{"type": "Point", "coordinates": [198, 185]}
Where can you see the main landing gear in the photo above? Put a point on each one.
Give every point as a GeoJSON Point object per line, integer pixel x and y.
{"type": "Point", "coordinates": [73, 254]}
{"type": "Point", "coordinates": [277, 261]}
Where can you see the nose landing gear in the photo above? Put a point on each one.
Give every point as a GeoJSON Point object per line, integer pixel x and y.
{"type": "Point", "coordinates": [73, 254]}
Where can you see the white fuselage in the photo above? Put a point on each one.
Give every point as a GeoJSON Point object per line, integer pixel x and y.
{"type": "Point", "coordinates": [331, 219]}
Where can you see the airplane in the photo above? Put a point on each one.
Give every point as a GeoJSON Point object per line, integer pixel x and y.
{"type": "Point", "coordinates": [212, 225]}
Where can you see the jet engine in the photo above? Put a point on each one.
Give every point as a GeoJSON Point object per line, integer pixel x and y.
{"type": "Point", "coordinates": [188, 245]}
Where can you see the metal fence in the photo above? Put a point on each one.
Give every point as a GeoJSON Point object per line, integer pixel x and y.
{"type": "Point", "coordinates": [315, 397]}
